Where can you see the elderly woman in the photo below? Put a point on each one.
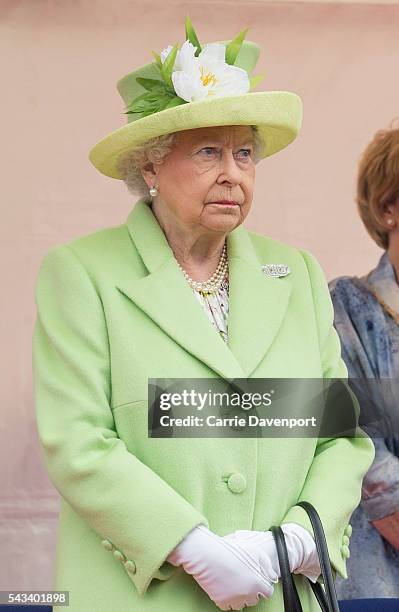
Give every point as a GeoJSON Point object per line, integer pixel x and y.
{"type": "Point", "coordinates": [183, 290]}
{"type": "Point", "coordinates": [367, 318]}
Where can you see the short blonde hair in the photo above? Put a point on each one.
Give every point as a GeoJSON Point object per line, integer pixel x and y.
{"type": "Point", "coordinates": [154, 150]}
{"type": "Point", "coordinates": [378, 182]}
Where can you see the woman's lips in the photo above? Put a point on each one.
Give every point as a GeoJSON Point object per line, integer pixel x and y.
{"type": "Point", "coordinates": [225, 203]}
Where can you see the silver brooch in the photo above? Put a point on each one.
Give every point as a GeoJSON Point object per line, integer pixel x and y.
{"type": "Point", "coordinates": [276, 270]}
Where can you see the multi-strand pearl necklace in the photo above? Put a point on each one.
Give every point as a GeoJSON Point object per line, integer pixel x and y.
{"type": "Point", "coordinates": [213, 283]}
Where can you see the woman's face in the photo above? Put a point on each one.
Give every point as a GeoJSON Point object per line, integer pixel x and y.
{"type": "Point", "coordinates": [206, 165]}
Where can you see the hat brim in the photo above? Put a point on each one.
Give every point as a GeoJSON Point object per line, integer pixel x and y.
{"type": "Point", "coordinates": [277, 114]}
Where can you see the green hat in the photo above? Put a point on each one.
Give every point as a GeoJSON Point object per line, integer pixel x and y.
{"type": "Point", "coordinates": [195, 87]}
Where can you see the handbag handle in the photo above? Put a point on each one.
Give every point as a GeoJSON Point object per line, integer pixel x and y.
{"type": "Point", "coordinates": [290, 594]}
{"type": "Point", "coordinates": [327, 597]}
{"type": "Point", "coordinates": [324, 558]}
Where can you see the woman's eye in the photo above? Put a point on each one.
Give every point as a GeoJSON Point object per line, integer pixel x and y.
{"type": "Point", "coordinates": [247, 151]}
{"type": "Point", "coordinates": [211, 150]}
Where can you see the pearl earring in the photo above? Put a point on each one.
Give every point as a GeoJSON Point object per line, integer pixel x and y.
{"type": "Point", "coordinates": [390, 221]}
{"type": "Point", "coordinates": [153, 191]}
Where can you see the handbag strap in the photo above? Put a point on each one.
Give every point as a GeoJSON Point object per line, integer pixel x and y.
{"type": "Point", "coordinates": [324, 558]}
{"type": "Point", "coordinates": [320, 595]}
{"type": "Point", "coordinates": [292, 602]}
{"type": "Point", "coordinates": [326, 597]}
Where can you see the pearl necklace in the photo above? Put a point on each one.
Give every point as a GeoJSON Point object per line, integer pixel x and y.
{"type": "Point", "coordinates": [213, 283]}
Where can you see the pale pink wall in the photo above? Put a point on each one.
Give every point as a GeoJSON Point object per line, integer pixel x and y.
{"type": "Point", "coordinates": [60, 62]}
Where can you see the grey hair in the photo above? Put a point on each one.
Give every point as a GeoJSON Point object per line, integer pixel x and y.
{"type": "Point", "coordinates": [155, 150]}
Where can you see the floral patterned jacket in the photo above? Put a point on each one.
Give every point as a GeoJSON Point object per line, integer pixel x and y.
{"type": "Point", "coordinates": [369, 334]}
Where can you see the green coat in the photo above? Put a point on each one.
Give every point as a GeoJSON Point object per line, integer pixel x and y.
{"type": "Point", "coordinates": [114, 310]}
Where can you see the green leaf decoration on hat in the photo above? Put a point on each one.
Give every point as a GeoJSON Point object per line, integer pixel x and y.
{"type": "Point", "coordinates": [255, 80]}
{"type": "Point", "coordinates": [158, 60]}
{"type": "Point", "coordinates": [192, 37]}
{"type": "Point", "coordinates": [150, 103]}
{"type": "Point", "coordinates": [159, 95]}
{"type": "Point", "coordinates": [175, 101]}
{"type": "Point", "coordinates": [234, 46]}
{"type": "Point", "coordinates": [167, 66]}
{"type": "Point", "coordinates": [151, 84]}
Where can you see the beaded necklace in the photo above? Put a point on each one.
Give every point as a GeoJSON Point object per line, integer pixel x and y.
{"type": "Point", "coordinates": [212, 284]}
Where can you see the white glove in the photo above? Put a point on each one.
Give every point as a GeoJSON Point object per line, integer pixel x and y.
{"type": "Point", "coordinates": [301, 547]}
{"type": "Point", "coordinates": [232, 575]}
{"type": "Point", "coordinates": [302, 552]}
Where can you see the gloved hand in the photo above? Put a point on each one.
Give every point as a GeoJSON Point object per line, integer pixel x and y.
{"type": "Point", "coordinates": [301, 547]}
{"type": "Point", "coordinates": [302, 552]}
{"type": "Point", "coordinates": [231, 574]}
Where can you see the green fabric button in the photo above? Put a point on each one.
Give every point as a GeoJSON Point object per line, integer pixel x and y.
{"type": "Point", "coordinates": [118, 555]}
{"type": "Point", "coordinates": [237, 483]}
{"type": "Point", "coordinates": [130, 566]}
{"type": "Point", "coordinates": [345, 540]}
{"type": "Point", "coordinates": [107, 545]}
{"type": "Point", "coordinates": [345, 551]}
{"type": "Point", "coordinates": [348, 530]}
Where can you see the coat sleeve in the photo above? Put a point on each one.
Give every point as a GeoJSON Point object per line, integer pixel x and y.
{"type": "Point", "coordinates": [334, 480]}
{"type": "Point", "coordinates": [119, 497]}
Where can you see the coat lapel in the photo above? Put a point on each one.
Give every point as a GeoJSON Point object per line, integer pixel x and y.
{"type": "Point", "coordinates": [257, 304]}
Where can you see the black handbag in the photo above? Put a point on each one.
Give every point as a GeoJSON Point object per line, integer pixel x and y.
{"type": "Point", "coordinates": [326, 596]}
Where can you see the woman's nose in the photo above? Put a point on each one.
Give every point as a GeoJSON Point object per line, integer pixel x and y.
{"type": "Point", "coordinates": [229, 167]}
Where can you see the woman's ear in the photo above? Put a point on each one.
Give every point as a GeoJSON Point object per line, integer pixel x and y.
{"type": "Point", "coordinates": [148, 173]}
{"type": "Point", "coordinates": [390, 214]}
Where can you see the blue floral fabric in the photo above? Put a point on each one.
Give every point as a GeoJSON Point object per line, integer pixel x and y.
{"type": "Point", "coordinates": [370, 348]}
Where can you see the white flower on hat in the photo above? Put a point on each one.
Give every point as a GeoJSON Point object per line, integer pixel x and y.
{"type": "Point", "coordinates": [207, 75]}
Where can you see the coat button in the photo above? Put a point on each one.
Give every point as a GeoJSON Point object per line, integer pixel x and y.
{"type": "Point", "coordinates": [118, 555]}
{"type": "Point", "coordinates": [345, 540]}
{"type": "Point", "coordinates": [348, 530]}
{"type": "Point", "coordinates": [130, 566]}
{"type": "Point", "coordinates": [345, 551]}
{"type": "Point", "coordinates": [237, 483]}
{"type": "Point", "coordinates": [107, 545]}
